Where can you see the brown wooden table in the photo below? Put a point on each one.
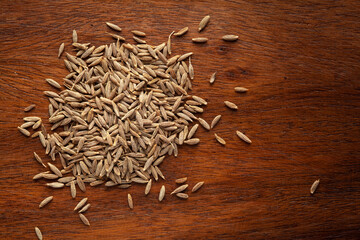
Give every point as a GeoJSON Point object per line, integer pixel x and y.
{"type": "Point", "coordinates": [301, 62]}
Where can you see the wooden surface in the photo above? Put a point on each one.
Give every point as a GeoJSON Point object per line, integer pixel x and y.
{"type": "Point", "coordinates": [301, 62]}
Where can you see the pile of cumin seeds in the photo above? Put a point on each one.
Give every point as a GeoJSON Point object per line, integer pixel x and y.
{"type": "Point", "coordinates": [124, 108]}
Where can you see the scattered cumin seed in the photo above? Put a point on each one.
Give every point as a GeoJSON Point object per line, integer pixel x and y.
{"type": "Point", "coordinates": [314, 186]}
{"type": "Point", "coordinates": [181, 32]}
{"type": "Point", "coordinates": [192, 141]}
{"type": "Point", "coordinates": [24, 131]}
{"type": "Point", "coordinates": [182, 195]}
{"type": "Point", "coordinates": [138, 33]}
{"type": "Point", "coordinates": [72, 189]}
{"type": "Point", "coordinates": [84, 219]}
{"type": "Point", "coordinates": [80, 204]}
{"type": "Point", "coordinates": [45, 201]}
{"type": "Point", "coordinates": [203, 23]}
{"type": "Point", "coordinates": [130, 201]}
{"type": "Point", "coordinates": [38, 233]}
{"type": "Point", "coordinates": [55, 185]}
{"type": "Point", "coordinates": [241, 89]}
{"type": "Point", "coordinates": [197, 186]}
{"type": "Point", "coordinates": [179, 189]}
{"type": "Point", "coordinates": [200, 40]}
{"type": "Point", "coordinates": [204, 123]}
{"type": "Point", "coordinates": [162, 193]}
{"type": "Point", "coordinates": [181, 180]}
{"type": "Point", "coordinates": [215, 121]}
{"type": "Point", "coordinates": [61, 49]}
{"type": "Point", "coordinates": [148, 187]}
{"type": "Point", "coordinates": [113, 26]}
{"type": "Point", "coordinates": [243, 137]}
{"type": "Point", "coordinates": [231, 105]}
{"type": "Point", "coordinates": [29, 108]}
{"type": "Point", "coordinates": [74, 36]}
{"type": "Point", "coordinates": [212, 78]}
{"type": "Point", "coordinates": [230, 38]}
{"type": "Point", "coordinates": [219, 139]}
{"type": "Point", "coordinates": [38, 159]}
{"type": "Point", "coordinates": [85, 208]}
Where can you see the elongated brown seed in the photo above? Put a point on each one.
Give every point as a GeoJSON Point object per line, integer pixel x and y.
{"type": "Point", "coordinates": [243, 137]}
{"type": "Point", "coordinates": [45, 201]}
{"type": "Point", "coordinates": [204, 123]}
{"type": "Point", "coordinates": [162, 193]}
{"type": "Point", "coordinates": [138, 33]}
{"type": "Point", "coordinates": [24, 131]}
{"type": "Point", "coordinates": [203, 23]}
{"type": "Point", "coordinates": [212, 78]}
{"type": "Point", "coordinates": [85, 208]}
{"type": "Point", "coordinates": [80, 204]}
{"type": "Point", "coordinates": [197, 186]}
{"type": "Point", "coordinates": [192, 131]}
{"type": "Point", "coordinates": [55, 185]}
{"type": "Point", "coordinates": [179, 189]}
{"type": "Point", "coordinates": [74, 36]}
{"type": "Point", "coordinates": [38, 233]}
{"type": "Point", "coordinates": [130, 201]}
{"type": "Point", "coordinates": [113, 26]}
{"type": "Point", "coordinates": [200, 40]}
{"type": "Point", "coordinates": [181, 180]}
{"type": "Point", "coordinates": [181, 32]}
{"type": "Point", "coordinates": [38, 159]}
{"type": "Point", "coordinates": [219, 139]}
{"type": "Point", "coordinates": [148, 187]}
{"type": "Point", "coordinates": [241, 89]}
{"type": "Point", "coordinates": [215, 121]}
{"type": "Point", "coordinates": [72, 189]}
{"type": "Point", "coordinates": [231, 105]}
{"type": "Point", "coordinates": [314, 186]}
{"type": "Point", "coordinates": [54, 169]}
{"type": "Point", "coordinates": [192, 141]}
{"type": "Point", "coordinates": [84, 219]}
{"type": "Point", "coordinates": [182, 195]}
{"type": "Point", "coordinates": [61, 49]}
{"type": "Point", "coordinates": [53, 83]}
{"type": "Point", "coordinates": [230, 38]}
{"type": "Point", "coordinates": [29, 108]}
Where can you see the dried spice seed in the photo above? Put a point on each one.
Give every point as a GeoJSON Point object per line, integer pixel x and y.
{"type": "Point", "coordinates": [148, 187]}
{"type": "Point", "coordinates": [182, 195]}
{"type": "Point", "coordinates": [204, 123]}
{"type": "Point", "coordinates": [72, 189]}
{"type": "Point", "coordinates": [230, 38]}
{"type": "Point", "coordinates": [215, 121]}
{"type": "Point", "coordinates": [203, 23]}
{"type": "Point", "coordinates": [113, 26]}
{"type": "Point", "coordinates": [162, 193]}
{"type": "Point", "coordinates": [179, 189]}
{"type": "Point", "coordinates": [231, 105]}
{"type": "Point", "coordinates": [24, 131]}
{"type": "Point", "coordinates": [212, 78]}
{"type": "Point", "coordinates": [138, 33]}
{"type": "Point", "coordinates": [197, 186]}
{"type": "Point", "coordinates": [85, 208]}
{"type": "Point", "coordinates": [61, 49]}
{"type": "Point", "coordinates": [55, 185]}
{"type": "Point", "coordinates": [38, 159]}
{"type": "Point", "coordinates": [38, 233]}
{"type": "Point", "coordinates": [84, 219]}
{"type": "Point", "coordinates": [192, 141]}
{"type": "Point", "coordinates": [130, 201]}
{"type": "Point", "coordinates": [219, 139]}
{"type": "Point", "coordinates": [29, 108]}
{"type": "Point", "coordinates": [314, 186]}
{"type": "Point", "coordinates": [181, 32]}
{"type": "Point", "coordinates": [80, 204]}
{"type": "Point", "coordinates": [243, 137]}
{"type": "Point", "coordinates": [45, 201]}
{"type": "Point", "coordinates": [241, 89]}
{"type": "Point", "coordinates": [181, 180]}
{"type": "Point", "coordinates": [200, 40]}
{"type": "Point", "coordinates": [74, 36]}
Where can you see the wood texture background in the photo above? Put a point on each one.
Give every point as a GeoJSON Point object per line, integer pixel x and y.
{"type": "Point", "coordinates": [301, 62]}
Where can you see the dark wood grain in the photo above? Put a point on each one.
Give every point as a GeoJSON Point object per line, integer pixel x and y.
{"type": "Point", "coordinates": [301, 62]}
